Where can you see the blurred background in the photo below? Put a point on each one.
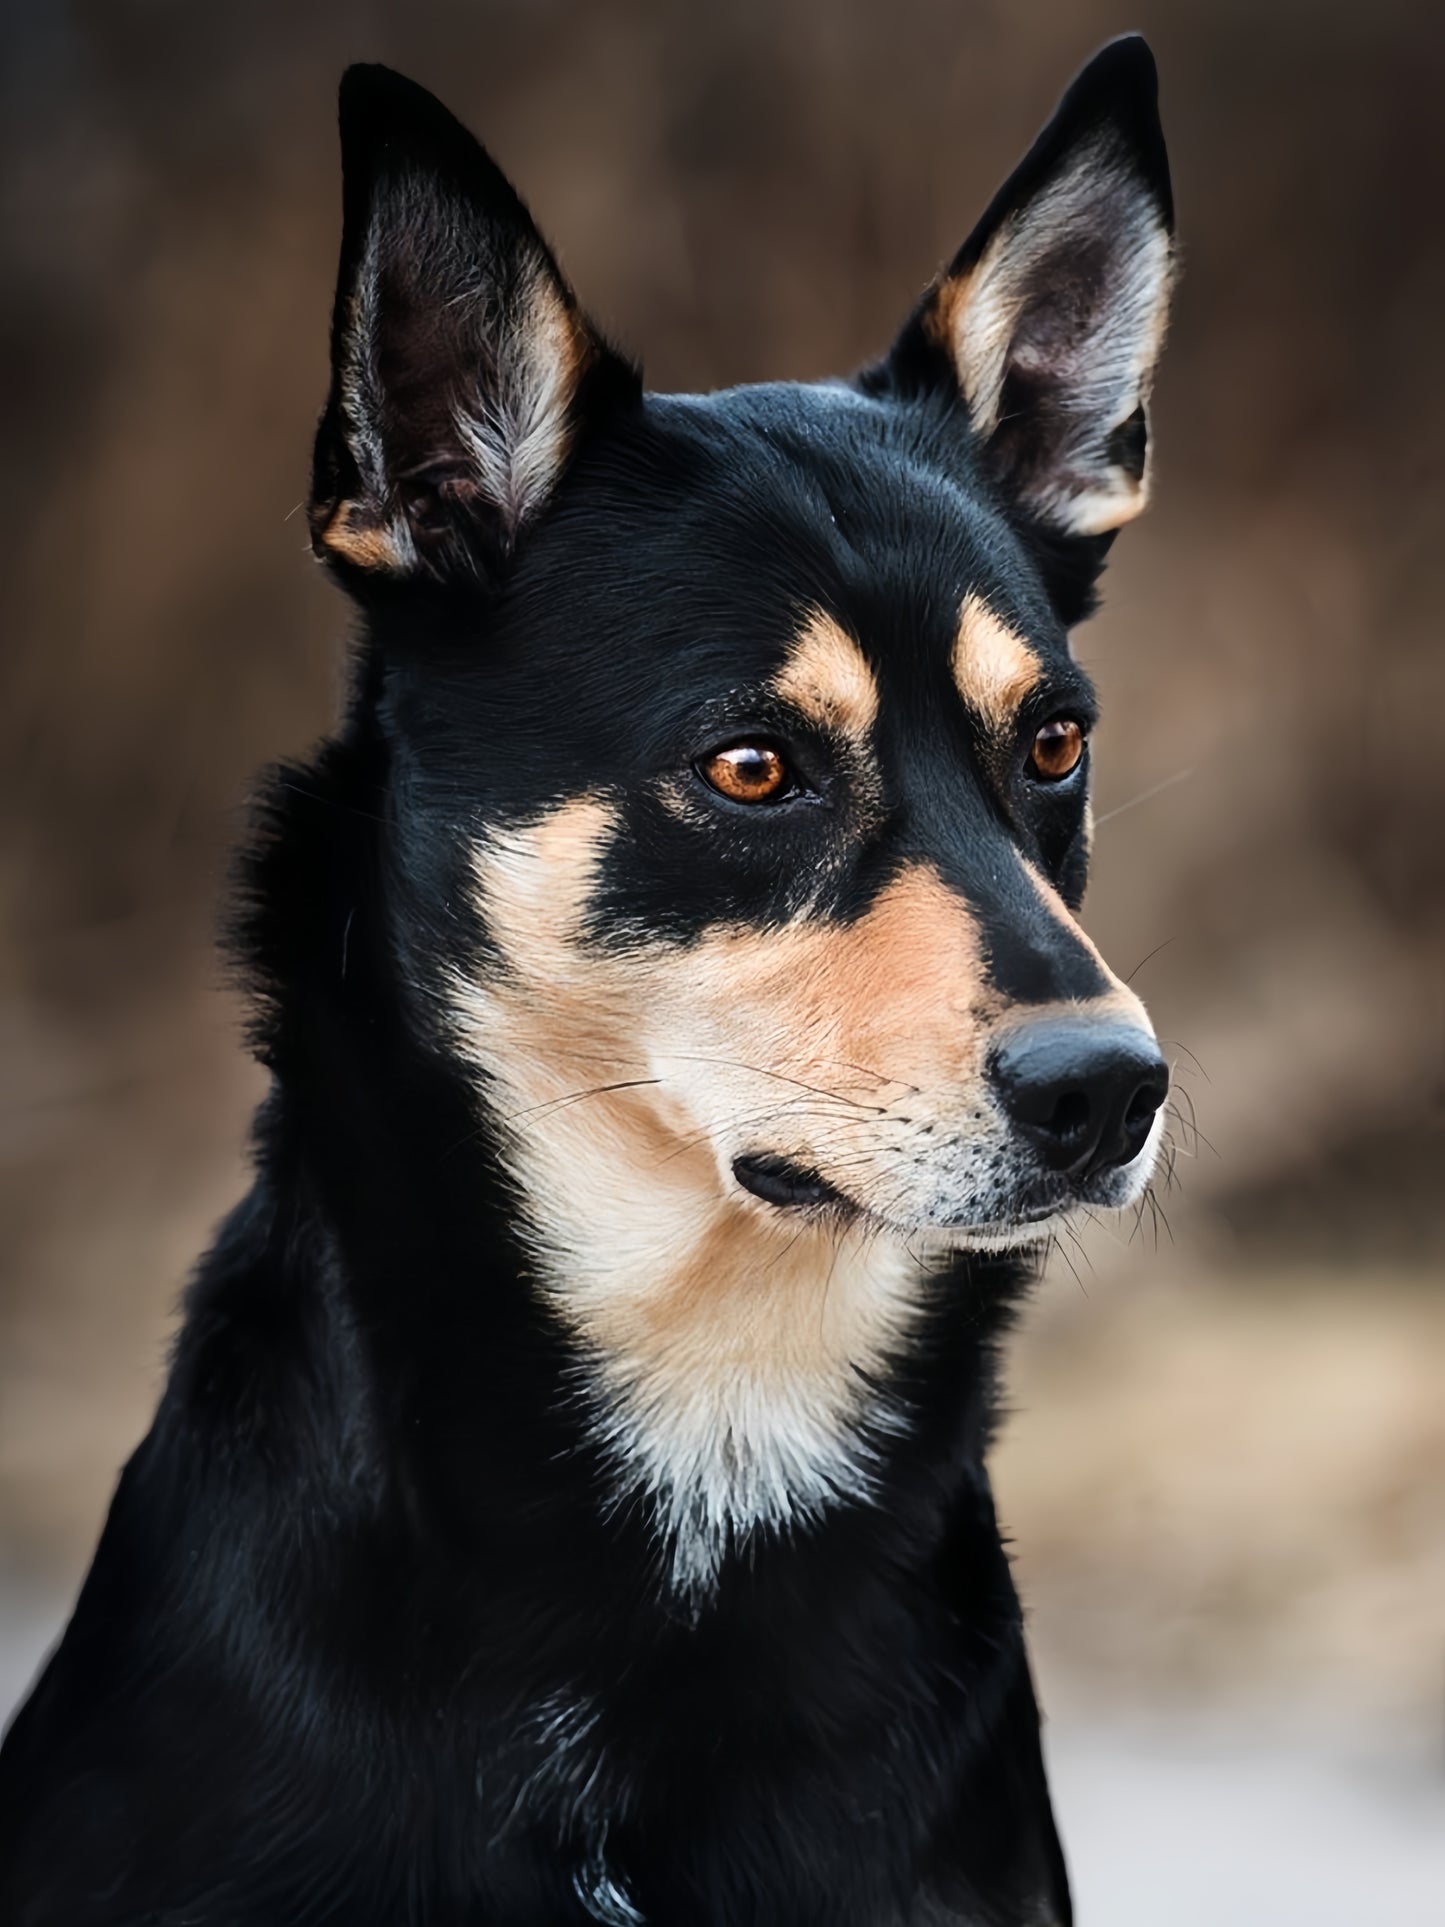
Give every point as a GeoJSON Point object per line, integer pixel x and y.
{"type": "Point", "coordinates": [1226, 1472]}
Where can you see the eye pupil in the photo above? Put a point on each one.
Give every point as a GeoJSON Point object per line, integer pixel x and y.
{"type": "Point", "coordinates": [746, 772]}
{"type": "Point", "coordinates": [1056, 750]}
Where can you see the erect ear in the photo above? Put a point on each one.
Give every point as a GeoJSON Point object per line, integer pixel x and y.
{"type": "Point", "coordinates": [462, 370]}
{"type": "Point", "coordinates": [1051, 316]}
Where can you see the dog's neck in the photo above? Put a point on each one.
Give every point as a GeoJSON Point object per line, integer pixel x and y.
{"type": "Point", "coordinates": [734, 1361]}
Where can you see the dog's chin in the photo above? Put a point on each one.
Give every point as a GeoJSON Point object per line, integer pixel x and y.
{"type": "Point", "coordinates": [1002, 1234]}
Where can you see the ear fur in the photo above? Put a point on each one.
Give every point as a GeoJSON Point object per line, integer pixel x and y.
{"type": "Point", "coordinates": [461, 366]}
{"type": "Point", "coordinates": [1051, 316]}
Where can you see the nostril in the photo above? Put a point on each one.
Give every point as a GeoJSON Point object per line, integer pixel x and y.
{"type": "Point", "coordinates": [1144, 1103]}
{"type": "Point", "coordinates": [1069, 1119]}
{"type": "Point", "coordinates": [1140, 1112]}
{"type": "Point", "coordinates": [1139, 1115]}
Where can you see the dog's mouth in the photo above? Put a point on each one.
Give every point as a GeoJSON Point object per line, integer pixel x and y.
{"type": "Point", "coordinates": [1035, 1213]}
{"type": "Point", "coordinates": [789, 1186]}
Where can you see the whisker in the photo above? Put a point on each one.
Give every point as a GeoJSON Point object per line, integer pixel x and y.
{"type": "Point", "coordinates": [1183, 1143]}
{"type": "Point", "coordinates": [1155, 789]}
{"type": "Point", "coordinates": [760, 1070]}
{"type": "Point", "coordinates": [1055, 1246]}
{"type": "Point", "coordinates": [1145, 959]}
{"type": "Point", "coordinates": [786, 1112]}
{"type": "Point", "coordinates": [1163, 1215]}
{"type": "Point", "coordinates": [1175, 1044]}
{"type": "Point", "coordinates": [576, 1097]}
{"type": "Point", "coordinates": [1198, 1135]}
{"type": "Point", "coordinates": [1171, 1168]}
{"type": "Point", "coordinates": [1104, 1228]}
{"type": "Point", "coordinates": [1081, 1247]}
{"type": "Point", "coordinates": [863, 1070]}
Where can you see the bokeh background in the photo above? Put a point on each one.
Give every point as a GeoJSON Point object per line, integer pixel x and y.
{"type": "Point", "coordinates": [1226, 1475]}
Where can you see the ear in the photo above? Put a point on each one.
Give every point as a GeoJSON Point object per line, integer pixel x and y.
{"type": "Point", "coordinates": [1051, 316]}
{"type": "Point", "coordinates": [462, 370]}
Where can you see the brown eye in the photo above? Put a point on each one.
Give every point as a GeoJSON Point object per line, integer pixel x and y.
{"type": "Point", "coordinates": [747, 773]}
{"type": "Point", "coordinates": [1056, 751]}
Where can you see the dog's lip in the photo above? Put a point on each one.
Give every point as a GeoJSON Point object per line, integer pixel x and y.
{"type": "Point", "coordinates": [787, 1185]}
{"type": "Point", "coordinates": [778, 1181]}
{"type": "Point", "coordinates": [1040, 1213]}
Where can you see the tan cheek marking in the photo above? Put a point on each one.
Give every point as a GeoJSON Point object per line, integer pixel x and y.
{"type": "Point", "coordinates": [863, 1011]}
{"type": "Point", "coordinates": [827, 677]}
{"type": "Point", "coordinates": [994, 668]}
{"type": "Point", "coordinates": [706, 1313]}
{"type": "Point", "coordinates": [911, 967]}
{"type": "Point", "coordinates": [896, 999]}
{"type": "Point", "coordinates": [732, 1340]}
{"type": "Point", "coordinates": [893, 998]}
{"type": "Point", "coordinates": [534, 882]}
{"type": "Point", "coordinates": [554, 1019]}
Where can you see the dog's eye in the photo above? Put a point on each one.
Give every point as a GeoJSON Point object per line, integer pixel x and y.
{"type": "Point", "coordinates": [747, 773]}
{"type": "Point", "coordinates": [1056, 750]}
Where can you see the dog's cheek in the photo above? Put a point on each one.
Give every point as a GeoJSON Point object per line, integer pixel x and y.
{"type": "Point", "coordinates": [852, 1047]}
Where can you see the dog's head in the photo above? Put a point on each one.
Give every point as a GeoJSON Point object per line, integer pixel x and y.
{"type": "Point", "coordinates": [741, 767]}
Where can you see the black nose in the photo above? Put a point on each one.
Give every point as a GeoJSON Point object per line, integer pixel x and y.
{"type": "Point", "coordinates": [1083, 1091]}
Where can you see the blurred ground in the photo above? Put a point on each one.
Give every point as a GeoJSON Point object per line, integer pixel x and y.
{"type": "Point", "coordinates": [1227, 1476]}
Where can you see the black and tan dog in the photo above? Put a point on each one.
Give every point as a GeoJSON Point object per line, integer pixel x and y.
{"type": "Point", "coordinates": [569, 1500]}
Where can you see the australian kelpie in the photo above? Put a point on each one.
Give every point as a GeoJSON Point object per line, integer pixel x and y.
{"type": "Point", "coordinates": [568, 1503]}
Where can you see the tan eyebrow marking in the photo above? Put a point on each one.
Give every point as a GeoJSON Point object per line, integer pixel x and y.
{"type": "Point", "coordinates": [827, 676]}
{"type": "Point", "coordinates": [994, 668]}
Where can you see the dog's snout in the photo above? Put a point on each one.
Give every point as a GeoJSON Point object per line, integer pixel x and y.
{"type": "Point", "coordinates": [1084, 1092]}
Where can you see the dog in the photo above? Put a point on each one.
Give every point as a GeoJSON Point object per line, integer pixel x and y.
{"type": "Point", "coordinates": [569, 1499]}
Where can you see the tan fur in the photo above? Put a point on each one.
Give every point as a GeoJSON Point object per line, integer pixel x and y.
{"type": "Point", "coordinates": [519, 441]}
{"type": "Point", "coordinates": [726, 1339]}
{"type": "Point", "coordinates": [944, 322]}
{"type": "Point", "coordinates": [994, 667]}
{"type": "Point", "coordinates": [366, 544]}
{"type": "Point", "coordinates": [827, 677]}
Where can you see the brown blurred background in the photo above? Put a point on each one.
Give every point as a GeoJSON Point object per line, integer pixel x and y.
{"type": "Point", "coordinates": [1228, 1479]}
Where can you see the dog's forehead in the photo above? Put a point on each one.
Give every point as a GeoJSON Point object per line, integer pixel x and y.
{"type": "Point", "coordinates": [742, 515]}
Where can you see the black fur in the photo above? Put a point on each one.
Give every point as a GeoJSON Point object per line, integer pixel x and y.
{"type": "Point", "coordinates": [368, 1638]}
